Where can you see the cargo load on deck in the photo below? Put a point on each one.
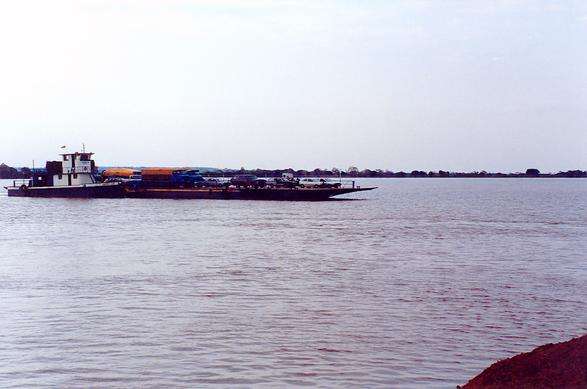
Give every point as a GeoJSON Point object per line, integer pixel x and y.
{"type": "Point", "coordinates": [174, 177]}
{"type": "Point", "coordinates": [120, 172]}
{"type": "Point", "coordinates": [159, 173]}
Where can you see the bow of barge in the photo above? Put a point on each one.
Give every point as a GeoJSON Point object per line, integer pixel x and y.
{"type": "Point", "coordinates": [283, 194]}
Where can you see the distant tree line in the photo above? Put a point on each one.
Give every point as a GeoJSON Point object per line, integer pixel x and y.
{"type": "Point", "coordinates": [379, 173]}
{"type": "Point", "coordinates": [7, 172]}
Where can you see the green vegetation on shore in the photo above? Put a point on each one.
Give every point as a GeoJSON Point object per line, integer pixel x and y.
{"type": "Point", "coordinates": [7, 172]}
{"type": "Point", "coordinates": [13, 173]}
{"type": "Point", "coordinates": [378, 173]}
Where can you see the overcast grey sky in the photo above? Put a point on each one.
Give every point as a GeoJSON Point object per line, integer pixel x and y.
{"type": "Point", "coordinates": [453, 85]}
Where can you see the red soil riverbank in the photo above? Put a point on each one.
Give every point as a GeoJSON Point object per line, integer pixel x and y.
{"type": "Point", "coordinates": [560, 365]}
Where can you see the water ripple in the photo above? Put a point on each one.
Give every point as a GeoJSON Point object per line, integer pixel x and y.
{"type": "Point", "coordinates": [424, 284]}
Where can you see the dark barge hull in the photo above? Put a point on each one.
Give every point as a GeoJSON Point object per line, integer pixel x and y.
{"type": "Point", "coordinates": [120, 191]}
{"type": "Point", "coordinates": [89, 191]}
{"type": "Point", "coordinates": [282, 194]}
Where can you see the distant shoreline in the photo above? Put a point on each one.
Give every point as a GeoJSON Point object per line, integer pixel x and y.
{"type": "Point", "coordinates": [413, 174]}
{"type": "Point", "coordinates": [7, 172]}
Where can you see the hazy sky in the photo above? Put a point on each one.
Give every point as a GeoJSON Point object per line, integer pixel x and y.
{"type": "Point", "coordinates": [453, 85]}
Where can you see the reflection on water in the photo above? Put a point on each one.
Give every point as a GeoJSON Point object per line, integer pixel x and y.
{"type": "Point", "coordinates": [423, 284]}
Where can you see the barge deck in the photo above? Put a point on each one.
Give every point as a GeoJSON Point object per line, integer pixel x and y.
{"type": "Point", "coordinates": [283, 194]}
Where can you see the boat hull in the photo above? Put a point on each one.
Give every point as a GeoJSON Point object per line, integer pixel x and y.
{"type": "Point", "coordinates": [285, 194]}
{"type": "Point", "coordinates": [84, 191]}
{"type": "Point", "coordinates": [119, 190]}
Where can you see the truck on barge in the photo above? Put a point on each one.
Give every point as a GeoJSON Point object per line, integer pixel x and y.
{"type": "Point", "coordinates": [76, 175]}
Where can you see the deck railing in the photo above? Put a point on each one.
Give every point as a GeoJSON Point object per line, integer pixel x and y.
{"type": "Point", "coordinates": [21, 181]}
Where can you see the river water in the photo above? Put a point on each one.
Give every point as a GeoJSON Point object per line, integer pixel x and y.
{"type": "Point", "coordinates": [421, 283]}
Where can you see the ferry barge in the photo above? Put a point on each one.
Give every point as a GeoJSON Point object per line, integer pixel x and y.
{"type": "Point", "coordinates": [76, 175]}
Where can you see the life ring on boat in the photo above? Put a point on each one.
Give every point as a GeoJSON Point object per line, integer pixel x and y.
{"type": "Point", "coordinates": [23, 187]}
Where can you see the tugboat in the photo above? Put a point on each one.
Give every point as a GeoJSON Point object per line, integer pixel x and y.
{"type": "Point", "coordinates": [74, 176]}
